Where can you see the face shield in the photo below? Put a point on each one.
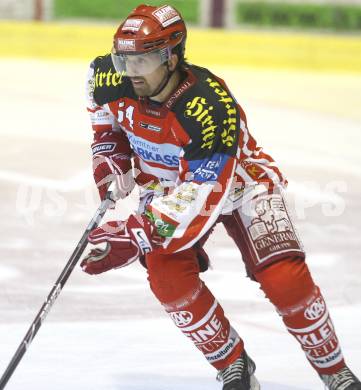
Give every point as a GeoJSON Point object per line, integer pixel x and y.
{"type": "Point", "coordinates": [141, 64]}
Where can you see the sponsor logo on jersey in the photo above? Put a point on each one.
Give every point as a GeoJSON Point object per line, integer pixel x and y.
{"type": "Point", "coordinates": [187, 193]}
{"type": "Point", "coordinates": [149, 111]}
{"type": "Point", "coordinates": [166, 159]}
{"type": "Point", "coordinates": [254, 170]}
{"type": "Point", "coordinates": [181, 318]}
{"type": "Point", "coordinates": [100, 117]}
{"type": "Point", "coordinates": [108, 79]}
{"type": "Point", "coordinates": [181, 199]}
{"type": "Point", "coordinates": [103, 147]}
{"type": "Point", "coordinates": [125, 45]}
{"type": "Point", "coordinates": [208, 170]}
{"type": "Point", "coordinates": [173, 205]}
{"type": "Point", "coordinates": [199, 109]}
{"type": "Point", "coordinates": [132, 25]}
{"type": "Point", "coordinates": [164, 229]}
{"type": "Point", "coordinates": [150, 127]}
{"type": "Point", "coordinates": [229, 133]}
{"type": "Point", "coordinates": [182, 88]}
{"type": "Point", "coordinates": [166, 15]}
{"type": "Point", "coordinates": [166, 154]}
{"type": "Point", "coordinates": [237, 193]}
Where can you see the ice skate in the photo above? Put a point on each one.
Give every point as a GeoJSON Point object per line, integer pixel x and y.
{"type": "Point", "coordinates": [343, 380]}
{"type": "Point", "coordinates": [239, 375]}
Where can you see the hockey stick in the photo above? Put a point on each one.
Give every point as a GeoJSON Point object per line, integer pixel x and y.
{"type": "Point", "coordinates": [54, 293]}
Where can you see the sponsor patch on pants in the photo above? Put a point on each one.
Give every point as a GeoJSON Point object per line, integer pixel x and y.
{"type": "Point", "coordinates": [269, 228]}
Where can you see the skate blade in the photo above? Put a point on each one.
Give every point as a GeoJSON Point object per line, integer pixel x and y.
{"type": "Point", "coordinates": [254, 383]}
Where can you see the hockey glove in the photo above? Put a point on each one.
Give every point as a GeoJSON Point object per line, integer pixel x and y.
{"type": "Point", "coordinates": [126, 241]}
{"type": "Point", "coordinates": [112, 161]}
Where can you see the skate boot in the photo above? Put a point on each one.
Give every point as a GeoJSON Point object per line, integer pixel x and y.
{"type": "Point", "coordinates": [342, 380]}
{"type": "Point", "coordinates": [239, 375]}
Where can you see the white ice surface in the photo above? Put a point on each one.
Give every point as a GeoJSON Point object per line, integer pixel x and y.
{"type": "Point", "coordinates": [108, 332]}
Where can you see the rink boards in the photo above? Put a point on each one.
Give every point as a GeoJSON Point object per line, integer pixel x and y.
{"type": "Point", "coordinates": [262, 49]}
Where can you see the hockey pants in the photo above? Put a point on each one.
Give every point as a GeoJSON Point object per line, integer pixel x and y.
{"type": "Point", "coordinates": [282, 274]}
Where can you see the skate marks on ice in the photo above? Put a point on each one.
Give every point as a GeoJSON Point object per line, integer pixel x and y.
{"type": "Point", "coordinates": [170, 382]}
{"type": "Point", "coordinates": [113, 356]}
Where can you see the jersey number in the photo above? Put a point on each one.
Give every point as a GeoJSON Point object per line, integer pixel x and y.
{"type": "Point", "coordinates": [128, 114]}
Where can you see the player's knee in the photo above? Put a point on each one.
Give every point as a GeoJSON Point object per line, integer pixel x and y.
{"type": "Point", "coordinates": [172, 277]}
{"type": "Point", "coordinates": [286, 282]}
{"type": "Point", "coordinates": [172, 290]}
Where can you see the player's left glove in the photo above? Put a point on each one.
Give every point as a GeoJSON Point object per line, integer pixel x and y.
{"type": "Point", "coordinates": [126, 241]}
{"type": "Point", "coordinates": [112, 162]}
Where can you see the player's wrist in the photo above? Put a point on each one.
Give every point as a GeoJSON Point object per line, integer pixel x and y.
{"type": "Point", "coordinates": [144, 233]}
{"type": "Point", "coordinates": [118, 168]}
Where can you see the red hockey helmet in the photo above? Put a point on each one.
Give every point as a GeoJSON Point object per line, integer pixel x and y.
{"type": "Point", "coordinates": [146, 38]}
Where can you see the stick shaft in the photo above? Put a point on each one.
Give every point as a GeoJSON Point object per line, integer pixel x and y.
{"type": "Point", "coordinates": [54, 293]}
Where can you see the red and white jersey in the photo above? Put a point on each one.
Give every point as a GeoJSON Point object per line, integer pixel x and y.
{"type": "Point", "coordinates": [196, 144]}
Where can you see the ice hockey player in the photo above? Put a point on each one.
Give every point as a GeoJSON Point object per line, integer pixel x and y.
{"type": "Point", "coordinates": [198, 165]}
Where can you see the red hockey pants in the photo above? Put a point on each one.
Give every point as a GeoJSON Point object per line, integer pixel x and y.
{"type": "Point", "coordinates": [274, 257]}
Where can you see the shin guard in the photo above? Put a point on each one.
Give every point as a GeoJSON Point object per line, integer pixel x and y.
{"type": "Point", "coordinates": [202, 320]}
{"type": "Point", "coordinates": [289, 286]}
{"type": "Point", "coordinates": [310, 323]}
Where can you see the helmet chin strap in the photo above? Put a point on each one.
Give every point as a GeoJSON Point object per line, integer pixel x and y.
{"type": "Point", "coordinates": [163, 83]}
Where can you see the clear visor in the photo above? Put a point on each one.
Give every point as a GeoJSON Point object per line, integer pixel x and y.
{"type": "Point", "coordinates": [133, 65]}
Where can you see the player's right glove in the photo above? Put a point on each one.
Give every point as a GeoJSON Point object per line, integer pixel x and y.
{"type": "Point", "coordinates": [112, 162]}
{"type": "Point", "coordinates": [125, 242]}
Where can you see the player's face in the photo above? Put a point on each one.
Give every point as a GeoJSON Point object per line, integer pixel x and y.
{"type": "Point", "coordinates": [146, 71]}
{"type": "Point", "coordinates": [146, 85]}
